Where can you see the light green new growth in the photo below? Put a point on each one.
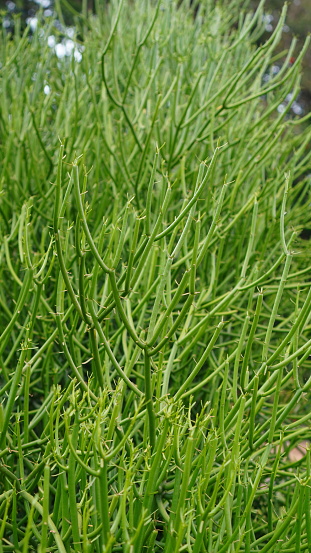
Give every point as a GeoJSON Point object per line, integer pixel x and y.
{"type": "Point", "coordinates": [155, 295]}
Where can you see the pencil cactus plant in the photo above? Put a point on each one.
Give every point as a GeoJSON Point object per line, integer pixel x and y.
{"type": "Point", "coordinates": [155, 294]}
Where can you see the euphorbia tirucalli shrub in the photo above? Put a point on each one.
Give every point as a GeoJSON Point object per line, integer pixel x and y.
{"type": "Point", "coordinates": [155, 295]}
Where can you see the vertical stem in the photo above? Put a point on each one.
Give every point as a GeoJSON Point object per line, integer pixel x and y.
{"type": "Point", "coordinates": [46, 501]}
{"type": "Point", "coordinates": [103, 484]}
{"type": "Point", "coordinates": [148, 396]}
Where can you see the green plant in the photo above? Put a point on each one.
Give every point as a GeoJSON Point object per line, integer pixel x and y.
{"type": "Point", "coordinates": [155, 301]}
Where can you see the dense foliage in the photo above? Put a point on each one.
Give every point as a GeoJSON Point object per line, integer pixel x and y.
{"type": "Point", "coordinates": [155, 293]}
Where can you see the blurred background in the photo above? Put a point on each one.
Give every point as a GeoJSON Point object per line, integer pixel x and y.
{"type": "Point", "coordinates": [298, 24]}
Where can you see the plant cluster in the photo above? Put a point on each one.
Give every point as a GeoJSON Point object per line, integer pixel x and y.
{"type": "Point", "coordinates": [155, 294]}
